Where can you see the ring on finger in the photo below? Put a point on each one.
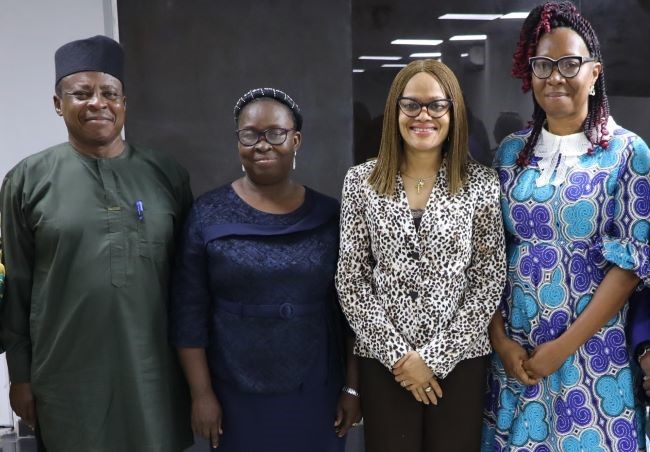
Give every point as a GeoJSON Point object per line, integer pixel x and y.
{"type": "Point", "coordinates": [428, 389]}
{"type": "Point", "coordinates": [403, 383]}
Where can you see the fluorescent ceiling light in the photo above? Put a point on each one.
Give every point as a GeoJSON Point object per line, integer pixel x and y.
{"type": "Point", "coordinates": [468, 38]}
{"type": "Point", "coordinates": [515, 15]}
{"type": "Point", "coordinates": [426, 55]}
{"type": "Point", "coordinates": [358, 70]}
{"type": "Point", "coordinates": [417, 42]}
{"type": "Point", "coordinates": [393, 65]}
{"type": "Point", "coordinates": [464, 55]}
{"type": "Point", "coordinates": [469, 16]}
{"type": "Point", "coordinates": [376, 57]}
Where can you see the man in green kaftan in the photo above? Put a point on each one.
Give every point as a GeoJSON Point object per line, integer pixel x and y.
{"type": "Point", "coordinates": [88, 232]}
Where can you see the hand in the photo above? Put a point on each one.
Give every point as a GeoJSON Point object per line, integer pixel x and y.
{"type": "Point", "coordinates": [545, 359]}
{"type": "Point", "coordinates": [431, 396]}
{"type": "Point", "coordinates": [645, 367]}
{"type": "Point", "coordinates": [513, 356]}
{"type": "Point", "coordinates": [206, 418]}
{"type": "Point", "coordinates": [348, 413]}
{"type": "Point", "coordinates": [412, 373]}
{"type": "Point", "coordinates": [22, 402]}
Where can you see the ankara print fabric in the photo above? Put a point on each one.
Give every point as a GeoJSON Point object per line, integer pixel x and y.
{"type": "Point", "coordinates": [561, 240]}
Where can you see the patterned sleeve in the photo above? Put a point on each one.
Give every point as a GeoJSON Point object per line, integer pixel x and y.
{"type": "Point", "coordinates": [625, 243]}
{"type": "Point", "coordinates": [364, 312]}
{"type": "Point", "coordinates": [18, 256]}
{"type": "Point", "coordinates": [486, 276]}
{"type": "Point", "coordinates": [190, 299]}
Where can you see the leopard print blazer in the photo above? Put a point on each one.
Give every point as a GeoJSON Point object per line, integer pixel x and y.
{"type": "Point", "coordinates": [432, 290]}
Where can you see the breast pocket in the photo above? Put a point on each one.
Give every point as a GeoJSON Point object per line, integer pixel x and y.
{"type": "Point", "coordinates": [155, 235]}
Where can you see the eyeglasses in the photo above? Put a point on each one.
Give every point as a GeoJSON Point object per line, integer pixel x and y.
{"type": "Point", "coordinates": [274, 136]}
{"type": "Point", "coordinates": [85, 96]}
{"type": "Point", "coordinates": [567, 66]}
{"type": "Point", "coordinates": [412, 107]}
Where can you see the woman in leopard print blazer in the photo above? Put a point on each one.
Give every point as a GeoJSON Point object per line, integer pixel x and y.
{"type": "Point", "coordinates": [421, 269]}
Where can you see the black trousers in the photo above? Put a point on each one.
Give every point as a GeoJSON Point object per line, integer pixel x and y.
{"type": "Point", "coordinates": [395, 422]}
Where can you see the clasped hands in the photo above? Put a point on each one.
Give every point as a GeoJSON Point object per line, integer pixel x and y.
{"type": "Point", "coordinates": [413, 374]}
{"type": "Point", "coordinates": [529, 368]}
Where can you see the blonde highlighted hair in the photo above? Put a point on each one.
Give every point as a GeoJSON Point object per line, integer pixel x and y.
{"type": "Point", "coordinates": [391, 152]}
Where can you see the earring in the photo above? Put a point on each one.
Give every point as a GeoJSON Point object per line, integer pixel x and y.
{"type": "Point", "coordinates": [592, 91]}
{"type": "Point", "coordinates": [242, 168]}
{"type": "Point", "coordinates": [294, 160]}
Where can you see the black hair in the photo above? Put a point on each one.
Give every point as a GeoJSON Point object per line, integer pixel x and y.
{"type": "Point", "coordinates": [542, 19]}
{"type": "Point", "coordinates": [273, 94]}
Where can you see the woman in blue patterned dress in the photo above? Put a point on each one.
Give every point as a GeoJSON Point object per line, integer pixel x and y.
{"type": "Point", "coordinates": [254, 311]}
{"type": "Point", "coordinates": [575, 201]}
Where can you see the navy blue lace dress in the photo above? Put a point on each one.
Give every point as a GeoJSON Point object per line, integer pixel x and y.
{"type": "Point", "coordinates": [256, 290]}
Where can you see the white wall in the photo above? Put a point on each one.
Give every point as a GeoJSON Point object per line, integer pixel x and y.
{"type": "Point", "coordinates": [30, 33]}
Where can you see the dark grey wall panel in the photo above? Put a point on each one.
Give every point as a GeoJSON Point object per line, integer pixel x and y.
{"type": "Point", "coordinates": [189, 61]}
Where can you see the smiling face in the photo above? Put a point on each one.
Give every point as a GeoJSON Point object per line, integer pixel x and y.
{"type": "Point", "coordinates": [93, 108]}
{"type": "Point", "coordinates": [565, 99]}
{"type": "Point", "coordinates": [268, 164]}
{"type": "Point", "coordinates": [423, 133]}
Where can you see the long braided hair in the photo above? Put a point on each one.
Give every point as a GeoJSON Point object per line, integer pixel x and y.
{"type": "Point", "coordinates": [542, 19]}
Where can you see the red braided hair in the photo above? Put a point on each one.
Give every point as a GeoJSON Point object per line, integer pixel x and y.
{"type": "Point", "coordinates": [542, 19]}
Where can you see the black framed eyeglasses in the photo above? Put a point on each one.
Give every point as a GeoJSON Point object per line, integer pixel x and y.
{"type": "Point", "coordinates": [436, 108]}
{"type": "Point", "coordinates": [567, 66]}
{"type": "Point", "coordinates": [274, 136]}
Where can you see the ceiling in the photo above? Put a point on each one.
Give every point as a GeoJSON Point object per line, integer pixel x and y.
{"type": "Point", "coordinates": [621, 26]}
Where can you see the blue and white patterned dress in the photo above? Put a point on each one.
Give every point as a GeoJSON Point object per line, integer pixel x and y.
{"type": "Point", "coordinates": [569, 218]}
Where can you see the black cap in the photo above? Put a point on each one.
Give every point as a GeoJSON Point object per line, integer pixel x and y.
{"type": "Point", "coordinates": [97, 54]}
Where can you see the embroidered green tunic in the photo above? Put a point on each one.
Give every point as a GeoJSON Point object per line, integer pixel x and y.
{"type": "Point", "coordinates": [85, 311]}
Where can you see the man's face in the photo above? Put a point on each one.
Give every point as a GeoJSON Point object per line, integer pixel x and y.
{"type": "Point", "coordinates": [93, 107]}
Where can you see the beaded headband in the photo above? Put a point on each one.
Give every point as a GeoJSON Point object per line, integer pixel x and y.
{"type": "Point", "coordinates": [270, 93]}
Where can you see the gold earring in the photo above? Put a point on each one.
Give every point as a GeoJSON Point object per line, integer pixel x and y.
{"type": "Point", "coordinates": [592, 91]}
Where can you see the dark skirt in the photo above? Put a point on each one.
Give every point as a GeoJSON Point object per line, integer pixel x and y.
{"type": "Point", "coordinates": [298, 421]}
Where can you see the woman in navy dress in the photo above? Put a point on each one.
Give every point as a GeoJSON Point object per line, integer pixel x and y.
{"type": "Point", "coordinates": [254, 311]}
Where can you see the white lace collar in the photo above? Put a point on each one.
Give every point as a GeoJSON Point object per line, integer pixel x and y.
{"type": "Point", "coordinates": [560, 153]}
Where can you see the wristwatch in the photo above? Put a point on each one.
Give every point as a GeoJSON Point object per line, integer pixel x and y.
{"type": "Point", "coordinates": [351, 391]}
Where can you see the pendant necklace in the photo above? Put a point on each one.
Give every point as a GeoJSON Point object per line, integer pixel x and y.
{"type": "Point", "coordinates": [419, 181]}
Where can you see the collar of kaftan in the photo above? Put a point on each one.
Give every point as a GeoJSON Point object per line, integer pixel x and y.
{"type": "Point", "coordinates": [561, 153]}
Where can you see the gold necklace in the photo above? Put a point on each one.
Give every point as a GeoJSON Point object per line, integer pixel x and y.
{"type": "Point", "coordinates": [419, 181]}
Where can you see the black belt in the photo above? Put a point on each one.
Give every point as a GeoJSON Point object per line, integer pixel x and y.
{"type": "Point", "coordinates": [282, 310]}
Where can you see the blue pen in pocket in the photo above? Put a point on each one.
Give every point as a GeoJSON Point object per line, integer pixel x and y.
{"type": "Point", "coordinates": [139, 210]}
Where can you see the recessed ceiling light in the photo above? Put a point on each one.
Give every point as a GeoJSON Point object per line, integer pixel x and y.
{"type": "Point", "coordinates": [378, 57]}
{"type": "Point", "coordinates": [468, 38]}
{"type": "Point", "coordinates": [417, 42]}
{"type": "Point", "coordinates": [515, 15]}
{"type": "Point", "coordinates": [469, 16]}
{"type": "Point", "coordinates": [358, 70]}
{"type": "Point", "coordinates": [426, 55]}
{"type": "Point", "coordinates": [464, 55]}
{"type": "Point", "coordinates": [393, 65]}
